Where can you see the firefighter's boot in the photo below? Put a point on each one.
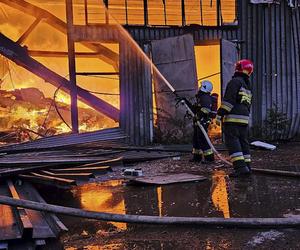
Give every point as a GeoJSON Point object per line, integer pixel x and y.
{"type": "Point", "coordinates": [209, 158]}
{"type": "Point", "coordinates": [208, 155]}
{"type": "Point", "coordinates": [242, 171]}
{"type": "Point", "coordinates": [196, 158]}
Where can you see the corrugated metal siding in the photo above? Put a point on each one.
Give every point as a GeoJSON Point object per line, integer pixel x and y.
{"type": "Point", "coordinates": [270, 35]}
{"type": "Point", "coordinates": [136, 95]}
{"type": "Point", "coordinates": [142, 34]}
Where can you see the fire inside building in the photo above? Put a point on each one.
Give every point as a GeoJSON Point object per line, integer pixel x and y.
{"type": "Point", "coordinates": [88, 87]}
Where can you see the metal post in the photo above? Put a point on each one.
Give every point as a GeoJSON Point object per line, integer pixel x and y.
{"type": "Point", "coordinates": [72, 69]}
{"type": "Point", "coordinates": [126, 11]}
{"type": "Point", "coordinates": [146, 20]}
{"type": "Point", "coordinates": [201, 12]}
{"type": "Point", "coordinates": [183, 13]}
{"type": "Point", "coordinates": [86, 12]}
{"type": "Point", "coordinates": [106, 12]}
{"type": "Point", "coordinates": [219, 13]}
{"type": "Point", "coordinates": [165, 11]}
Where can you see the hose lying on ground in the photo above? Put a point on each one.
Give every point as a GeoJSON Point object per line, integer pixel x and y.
{"type": "Point", "coordinates": [142, 219]}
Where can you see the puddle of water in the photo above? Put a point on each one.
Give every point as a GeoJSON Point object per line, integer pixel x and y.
{"type": "Point", "coordinates": [258, 196]}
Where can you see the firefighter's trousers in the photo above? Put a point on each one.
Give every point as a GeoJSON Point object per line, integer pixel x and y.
{"type": "Point", "coordinates": [200, 145]}
{"type": "Point", "coordinates": [236, 140]}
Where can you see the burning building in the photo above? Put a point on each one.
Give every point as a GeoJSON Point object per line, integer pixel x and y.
{"type": "Point", "coordinates": [82, 48]}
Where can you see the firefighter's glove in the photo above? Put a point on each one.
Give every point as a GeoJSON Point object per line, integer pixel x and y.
{"type": "Point", "coordinates": [180, 100]}
{"type": "Point", "coordinates": [195, 118]}
{"type": "Point", "coordinates": [218, 120]}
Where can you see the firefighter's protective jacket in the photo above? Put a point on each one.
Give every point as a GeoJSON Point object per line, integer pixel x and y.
{"type": "Point", "coordinates": [203, 105]}
{"type": "Point", "coordinates": [235, 107]}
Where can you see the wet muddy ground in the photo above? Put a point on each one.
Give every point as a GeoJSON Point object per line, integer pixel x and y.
{"type": "Point", "coordinates": [218, 196]}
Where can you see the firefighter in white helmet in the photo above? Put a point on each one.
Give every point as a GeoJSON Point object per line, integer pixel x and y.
{"type": "Point", "coordinates": [203, 111]}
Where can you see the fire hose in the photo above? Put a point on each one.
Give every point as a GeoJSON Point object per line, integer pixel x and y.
{"type": "Point", "coordinates": [190, 111]}
{"type": "Point", "coordinates": [156, 220]}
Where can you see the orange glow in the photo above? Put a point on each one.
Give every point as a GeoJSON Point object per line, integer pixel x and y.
{"type": "Point", "coordinates": [159, 200]}
{"type": "Point", "coordinates": [219, 193]}
{"type": "Point", "coordinates": [229, 11]}
{"type": "Point", "coordinates": [208, 63]}
{"type": "Point", "coordinates": [97, 197]}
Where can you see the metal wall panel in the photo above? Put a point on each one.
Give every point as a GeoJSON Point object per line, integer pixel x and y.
{"type": "Point", "coordinates": [271, 35]}
{"type": "Point", "coordinates": [229, 56]}
{"type": "Point", "coordinates": [136, 95]}
{"type": "Point", "coordinates": [175, 59]}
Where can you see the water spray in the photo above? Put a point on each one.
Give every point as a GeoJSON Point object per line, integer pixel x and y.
{"type": "Point", "coordinates": [169, 85]}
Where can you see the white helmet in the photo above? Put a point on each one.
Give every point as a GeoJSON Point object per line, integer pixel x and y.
{"type": "Point", "coordinates": [206, 86]}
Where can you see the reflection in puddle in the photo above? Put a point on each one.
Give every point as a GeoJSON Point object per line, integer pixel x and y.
{"type": "Point", "coordinates": [159, 200]}
{"type": "Point", "coordinates": [185, 199]}
{"type": "Point", "coordinates": [102, 198]}
{"type": "Point", "coordinates": [219, 193]}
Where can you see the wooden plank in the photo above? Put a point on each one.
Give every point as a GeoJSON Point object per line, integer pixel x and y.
{"type": "Point", "coordinates": [101, 169]}
{"type": "Point", "coordinates": [168, 179]}
{"type": "Point", "coordinates": [9, 225]}
{"type": "Point", "coordinates": [45, 225]}
{"type": "Point", "coordinates": [57, 225]}
{"type": "Point", "coordinates": [15, 171]}
{"type": "Point", "coordinates": [56, 179]}
{"type": "Point", "coordinates": [24, 218]}
{"type": "Point", "coordinates": [79, 176]}
{"type": "Point", "coordinates": [43, 181]}
{"type": "Point", "coordinates": [113, 162]}
{"type": "Point", "coordinates": [42, 160]}
{"type": "Point", "coordinates": [133, 157]}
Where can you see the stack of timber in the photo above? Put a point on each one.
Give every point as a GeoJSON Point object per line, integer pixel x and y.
{"type": "Point", "coordinates": [23, 228]}
{"type": "Point", "coordinates": [60, 173]}
{"type": "Point", "coordinates": [64, 161]}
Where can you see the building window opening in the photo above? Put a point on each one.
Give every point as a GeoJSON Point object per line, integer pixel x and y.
{"type": "Point", "coordinates": [158, 12]}
{"type": "Point", "coordinates": [210, 71]}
